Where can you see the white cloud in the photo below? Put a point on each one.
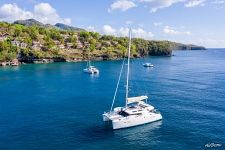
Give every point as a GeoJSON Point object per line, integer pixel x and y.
{"type": "Point", "coordinates": [67, 21]}
{"type": "Point", "coordinates": [91, 29]}
{"type": "Point", "coordinates": [141, 25]}
{"type": "Point", "coordinates": [209, 42]}
{"type": "Point", "coordinates": [43, 12]}
{"type": "Point", "coordinates": [194, 3]}
{"type": "Point", "coordinates": [108, 30]}
{"type": "Point", "coordinates": [171, 31]}
{"type": "Point", "coordinates": [11, 12]}
{"type": "Point", "coordinates": [157, 24]}
{"type": "Point", "coordinates": [122, 5]}
{"type": "Point", "coordinates": [32, 1]}
{"type": "Point", "coordinates": [141, 33]}
{"type": "Point", "coordinates": [154, 5]}
{"type": "Point", "coordinates": [218, 2]}
{"type": "Point", "coordinates": [123, 32]}
{"type": "Point", "coordinates": [44, 9]}
{"type": "Point", "coordinates": [129, 22]}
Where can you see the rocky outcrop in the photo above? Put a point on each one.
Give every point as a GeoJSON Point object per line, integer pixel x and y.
{"type": "Point", "coordinates": [14, 62]}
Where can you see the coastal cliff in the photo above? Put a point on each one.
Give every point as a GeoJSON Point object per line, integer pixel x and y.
{"type": "Point", "coordinates": [30, 41]}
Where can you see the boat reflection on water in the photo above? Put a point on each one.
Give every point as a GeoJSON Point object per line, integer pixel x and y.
{"type": "Point", "coordinates": [144, 135]}
{"type": "Point", "coordinates": [133, 133]}
{"type": "Point", "coordinates": [139, 137]}
{"type": "Point", "coordinates": [94, 75]}
{"type": "Point", "coordinates": [139, 130]}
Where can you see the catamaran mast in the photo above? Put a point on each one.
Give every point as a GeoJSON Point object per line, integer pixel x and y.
{"type": "Point", "coordinates": [128, 67]}
{"type": "Point", "coordinates": [89, 63]}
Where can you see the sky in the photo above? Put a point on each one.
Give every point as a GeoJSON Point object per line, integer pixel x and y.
{"type": "Point", "coordinates": [200, 22]}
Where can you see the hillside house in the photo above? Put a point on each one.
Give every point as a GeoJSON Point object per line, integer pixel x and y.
{"type": "Point", "coordinates": [69, 45]}
{"type": "Point", "coordinates": [36, 45]}
{"type": "Point", "coordinates": [3, 29]}
{"type": "Point", "coordinates": [86, 44]}
{"type": "Point", "coordinates": [15, 43]}
{"type": "Point", "coordinates": [79, 44]}
{"type": "Point", "coordinates": [56, 42]}
{"type": "Point", "coordinates": [23, 45]}
{"type": "Point", "coordinates": [4, 36]}
{"type": "Point", "coordinates": [61, 46]}
{"type": "Point", "coordinates": [65, 36]}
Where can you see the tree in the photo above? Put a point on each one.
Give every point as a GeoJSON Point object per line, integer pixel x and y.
{"type": "Point", "coordinates": [55, 34]}
{"type": "Point", "coordinates": [37, 54]}
{"type": "Point", "coordinates": [25, 52]}
{"type": "Point", "coordinates": [33, 32]}
{"type": "Point", "coordinates": [72, 39]}
{"type": "Point", "coordinates": [159, 48]}
{"type": "Point", "coordinates": [109, 52]}
{"type": "Point", "coordinates": [9, 56]}
{"type": "Point", "coordinates": [42, 31]}
{"type": "Point", "coordinates": [121, 49]}
{"type": "Point", "coordinates": [27, 40]}
{"type": "Point", "coordinates": [92, 47]}
{"type": "Point", "coordinates": [7, 52]}
{"type": "Point", "coordinates": [95, 35]}
{"type": "Point", "coordinates": [18, 30]}
{"type": "Point", "coordinates": [133, 50]}
{"type": "Point", "coordinates": [49, 43]}
{"type": "Point", "coordinates": [84, 36]}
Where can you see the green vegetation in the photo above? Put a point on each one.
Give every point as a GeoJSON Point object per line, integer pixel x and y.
{"type": "Point", "coordinates": [7, 51]}
{"type": "Point", "coordinates": [38, 41]}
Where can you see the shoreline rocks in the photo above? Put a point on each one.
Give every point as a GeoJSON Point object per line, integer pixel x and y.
{"type": "Point", "coordinates": [14, 62]}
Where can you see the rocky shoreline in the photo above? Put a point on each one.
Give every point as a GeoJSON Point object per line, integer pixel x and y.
{"type": "Point", "coordinates": [17, 62]}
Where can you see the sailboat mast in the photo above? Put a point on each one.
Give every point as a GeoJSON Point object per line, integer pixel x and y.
{"type": "Point", "coordinates": [89, 63]}
{"type": "Point", "coordinates": [128, 67]}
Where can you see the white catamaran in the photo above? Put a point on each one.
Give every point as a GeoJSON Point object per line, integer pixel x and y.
{"type": "Point", "coordinates": [90, 69]}
{"type": "Point", "coordinates": [136, 111]}
{"type": "Point", "coordinates": [148, 65]}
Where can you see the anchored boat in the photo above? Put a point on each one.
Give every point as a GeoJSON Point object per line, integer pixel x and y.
{"type": "Point", "coordinates": [136, 111]}
{"type": "Point", "coordinates": [90, 69]}
{"type": "Point", "coordinates": [148, 65]}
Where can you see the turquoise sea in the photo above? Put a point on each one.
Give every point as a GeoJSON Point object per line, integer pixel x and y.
{"type": "Point", "coordinates": [58, 107]}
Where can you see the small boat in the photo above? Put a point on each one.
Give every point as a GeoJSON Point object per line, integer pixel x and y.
{"type": "Point", "coordinates": [3, 64]}
{"type": "Point", "coordinates": [15, 63]}
{"type": "Point", "coordinates": [90, 69]}
{"type": "Point", "coordinates": [148, 65]}
{"type": "Point", "coordinates": [136, 110]}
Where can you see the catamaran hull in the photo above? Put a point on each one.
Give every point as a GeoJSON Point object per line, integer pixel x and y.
{"type": "Point", "coordinates": [105, 117]}
{"type": "Point", "coordinates": [91, 71]}
{"type": "Point", "coordinates": [108, 117]}
{"type": "Point", "coordinates": [148, 65]}
{"type": "Point", "coordinates": [135, 121]}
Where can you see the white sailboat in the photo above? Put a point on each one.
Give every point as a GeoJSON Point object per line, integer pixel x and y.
{"type": "Point", "coordinates": [90, 69]}
{"type": "Point", "coordinates": [136, 111]}
{"type": "Point", "coordinates": [148, 65]}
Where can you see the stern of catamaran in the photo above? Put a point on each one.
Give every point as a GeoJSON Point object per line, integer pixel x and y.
{"type": "Point", "coordinates": [111, 115]}
{"type": "Point", "coordinates": [105, 116]}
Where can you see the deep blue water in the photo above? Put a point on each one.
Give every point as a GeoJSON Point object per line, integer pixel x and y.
{"type": "Point", "coordinates": [57, 106]}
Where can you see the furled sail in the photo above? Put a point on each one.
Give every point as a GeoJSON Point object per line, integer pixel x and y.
{"type": "Point", "coordinates": [136, 99]}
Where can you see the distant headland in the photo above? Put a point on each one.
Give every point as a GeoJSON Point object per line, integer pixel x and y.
{"type": "Point", "coordinates": [30, 41]}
